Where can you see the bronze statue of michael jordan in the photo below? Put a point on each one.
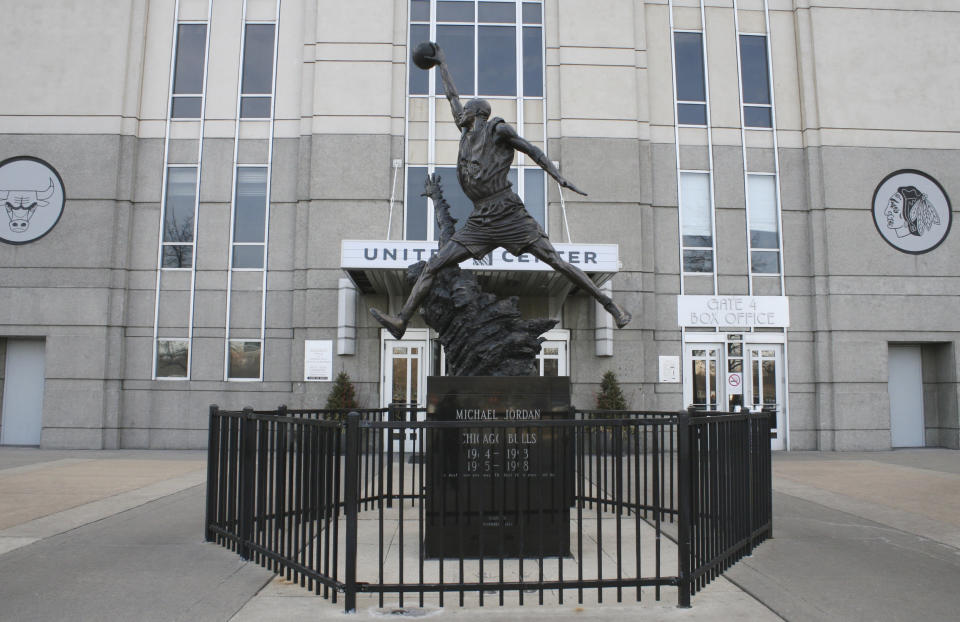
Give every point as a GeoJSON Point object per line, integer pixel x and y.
{"type": "Point", "coordinates": [499, 218]}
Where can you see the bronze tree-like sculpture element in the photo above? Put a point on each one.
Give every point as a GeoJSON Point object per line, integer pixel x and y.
{"type": "Point", "coordinates": [481, 334]}
{"type": "Point", "coordinates": [487, 148]}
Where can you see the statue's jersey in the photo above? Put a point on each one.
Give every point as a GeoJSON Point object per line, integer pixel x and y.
{"type": "Point", "coordinates": [483, 162]}
{"type": "Point", "coordinates": [498, 217]}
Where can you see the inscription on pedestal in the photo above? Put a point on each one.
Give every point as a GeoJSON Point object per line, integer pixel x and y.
{"type": "Point", "coordinates": [498, 489]}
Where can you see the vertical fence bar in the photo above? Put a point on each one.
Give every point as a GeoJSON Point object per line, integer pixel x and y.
{"type": "Point", "coordinates": [350, 510]}
{"type": "Point", "coordinates": [248, 460]}
{"type": "Point", "coordinates": [683, 508]}
{"type": "Point", "coordinates": [213, 459]}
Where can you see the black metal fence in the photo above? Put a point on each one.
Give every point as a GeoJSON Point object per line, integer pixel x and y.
{"type": "Point", "coordinates": [657, 500]}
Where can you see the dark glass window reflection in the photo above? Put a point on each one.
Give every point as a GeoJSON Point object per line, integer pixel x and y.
{"type": "Point", "coordinates": [172, 358]}
{"type": "Point", "coordinates": [497, 60]}
{"type": "Point", "coordinates": [765, 262]}
{"type": "Point", "coordinates": [502, 12]}
{"type": "Point", "coordinates": [416, 204]}
{"type": "Point", "coordinates": [191, 49]}
{"type": "Point", "coordinates": [180, 203]}
{"type": "Point", "coordinates": [457, 44]}
{"type": "Point", "coordinates": [753, 65]}
{"type": "Point", "coordinates": [244, 360]}
{"type": "Point", "coordinates": [248, 256]}
{"type": "Point", "coordinates": [757, 116]}
{"type": "Point", "coordinates": [692, 114]}
{"type": "Point", "coordinates": [531, 13]}
{"type": "Point", "coordinates": [532, 62]}
{"type": "Point", "coordinates": [183, 107]}
{"type": "Point", "coordinates": [258, 60]}
{"type": "Point", "coordinates": [418, 78]}
{"type": "Point", "coordinates": [688, 48]}
{"type": "Point", "coordinates": [454, 11]}
{"type": "Point", "coordinates": [419, 11]}
{"type": "Point", "coordinates": [177, 256]}
{"type": "Point", "coordinates": [254, 107]}
{"type": "Point", "coordinates": [251, 204]}
{"type": "Point", "coordinates": [533, 194]}
{"type": "Point", "coordinates": [697, 261]}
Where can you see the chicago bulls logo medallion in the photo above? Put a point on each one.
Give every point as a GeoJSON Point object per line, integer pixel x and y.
{"type": "Point", "coordinates": [32, 196]}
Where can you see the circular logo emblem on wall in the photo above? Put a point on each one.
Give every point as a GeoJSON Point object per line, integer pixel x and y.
{"type": "Point", "coordinates": [32, 195]}
{"type": "Point", "coordinates": [912, 211]}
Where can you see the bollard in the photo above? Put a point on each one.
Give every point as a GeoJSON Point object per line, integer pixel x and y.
{"type": "Point", "coordinates": [683, 509]}
{"type": "Point", "coordinates": [213, 460]}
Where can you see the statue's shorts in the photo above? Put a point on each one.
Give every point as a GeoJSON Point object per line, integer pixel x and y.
{"type": "Point", "coordinates": [500, 220]}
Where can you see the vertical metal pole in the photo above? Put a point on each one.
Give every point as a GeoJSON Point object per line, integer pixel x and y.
{"type": "Point", "coordinates": [350, 510]}
{"type": "Point", "coordinates": [683, 508]}
{"type": "Point", "coordinates": [213, 460]}
{"type": "Point", "coordinates": [750, 483]}
{"type": "Point", "coordinates": [391, 416]}
{"type": "Point", "coordinates": [248, 459]}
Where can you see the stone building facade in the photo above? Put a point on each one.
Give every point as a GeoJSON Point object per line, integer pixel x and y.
{"type": "Point", "coordinates": [733, 152]}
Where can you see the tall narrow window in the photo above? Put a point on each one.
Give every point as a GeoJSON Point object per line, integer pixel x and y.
{"type": "Point", "coordinates": [696, 221]}
{"type": "Point", "coordinates": [691, 84]}
{"type": "Point", "coordinates": [494, 50]}
{"type": "Point", "coordinates": [186, 99]}
{"type": "Point", "coordinates": [179, 213]}
{"type": "Point", "coordinates": [256, 87]}
{"type": "Point", "coordinates": [764, 228]}
{"type": "Point", "coordinates": [250, 217]}
{"type": "Point", "coordinates": [755, 77]}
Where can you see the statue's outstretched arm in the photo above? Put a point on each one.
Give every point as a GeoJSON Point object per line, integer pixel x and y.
{"type": "Point", "coordinates": [448, 87]}
{"type": "Point", "coordinates": [507, 133]}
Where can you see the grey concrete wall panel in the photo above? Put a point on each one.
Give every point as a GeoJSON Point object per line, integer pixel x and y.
{"type": "Point", "coordinates": [728, 177]}
{"type": "Point", "coordinates": [760, 160]}
{"type": "Point", "coordinates": [608, 169]}
{"type": "Point", "coordinates": [148, 171]}
{"type": "Point", "coordinates": [731, 242]}
{"type": "Point", "coordinates": [217, 173]}
{"type": "Point", "coordinates": [182, 151]}
{"type": "Point", "coordinates": [695, 157]}
{"type": "Point", "coordinates": [351, 166]}
{"type": "Point", "coordinates": [213, 236]}
{"type": "Point", "coordinates": [664, 167]}
{"type": "Point", "coordinates": [252, 151]}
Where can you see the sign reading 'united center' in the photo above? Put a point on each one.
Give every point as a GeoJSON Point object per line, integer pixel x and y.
{"type": "Point", "coordinates": [386, 254]}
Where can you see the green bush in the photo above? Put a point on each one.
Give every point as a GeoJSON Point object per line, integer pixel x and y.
{"type": "Point", "coordinates": [343, 395]}
{"type": "Point", "coordinates": [610, 396]}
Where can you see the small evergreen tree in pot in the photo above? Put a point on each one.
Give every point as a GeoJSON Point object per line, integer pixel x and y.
{"type": "Point", "coordinates": [343, 395]}
{"type": "Point", "coordinates": [610, 396]}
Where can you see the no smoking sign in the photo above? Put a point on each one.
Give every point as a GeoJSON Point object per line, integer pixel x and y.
{"type": "Point", "coordinates": [735, 382]}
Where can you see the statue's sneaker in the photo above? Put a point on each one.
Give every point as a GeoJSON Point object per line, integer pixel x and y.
{"type": "Point", "coordinates": [395, 325]}
{"type": "Point", "coordinates": [620, 315]}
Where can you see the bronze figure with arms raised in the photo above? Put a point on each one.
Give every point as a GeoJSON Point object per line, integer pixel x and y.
{"type": "Point", "coordinates": [487, 148]}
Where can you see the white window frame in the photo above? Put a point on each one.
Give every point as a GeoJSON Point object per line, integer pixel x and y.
{"type": "Point", "coordinates": [163, 193]}
{"type": "Point", "coordinates": [233, 192]}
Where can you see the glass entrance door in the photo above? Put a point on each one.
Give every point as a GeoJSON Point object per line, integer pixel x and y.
{"type": "Point", "coordinates": [763, 384]}
{"type": "Point", "coordinates": [404, 377]}
{"type": "Point", "coordinates": [701, 387]}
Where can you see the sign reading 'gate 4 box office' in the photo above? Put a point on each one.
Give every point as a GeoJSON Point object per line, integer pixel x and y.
{"type": "Point", "coordinates": [500, 484]}
{"type": "Point", "coordinates": [733, 311]}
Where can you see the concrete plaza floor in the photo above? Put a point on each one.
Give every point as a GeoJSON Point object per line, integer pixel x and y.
{"type": "Point", "coordinates": [118, 535]}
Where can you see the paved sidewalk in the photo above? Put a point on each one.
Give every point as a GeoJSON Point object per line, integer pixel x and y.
{"type": "Point", "coordinates": [118, 535]}
{"type": "Point", "coordinates": [861, 536]}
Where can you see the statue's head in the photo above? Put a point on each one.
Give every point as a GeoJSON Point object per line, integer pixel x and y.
{"type": "Point", "coordinates": [473, 109]}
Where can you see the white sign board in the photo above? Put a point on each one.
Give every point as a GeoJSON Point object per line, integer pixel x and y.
{"type": "Point", "coordinates": [385, 254]}
{"type": "Point", "coordinates": [734, 383]}
{"type": "Point", "coordinates": [733, 311]}
{"type": "Point", "coordinates": [669, 369]}
{"type": "Point", "coordinates": [318, 360]}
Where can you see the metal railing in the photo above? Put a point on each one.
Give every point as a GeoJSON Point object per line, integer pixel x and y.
{"type": "Point", "coordinates": [651, 500]}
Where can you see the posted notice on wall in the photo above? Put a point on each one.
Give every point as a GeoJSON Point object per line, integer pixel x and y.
{"type": "Point", "coordinates": [669, 368]}
{"type": "Point", "coordinates": [317, 360]}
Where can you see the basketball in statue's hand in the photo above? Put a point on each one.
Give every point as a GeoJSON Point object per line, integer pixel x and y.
{"type": "Point", "coordinates": [425, 55]}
